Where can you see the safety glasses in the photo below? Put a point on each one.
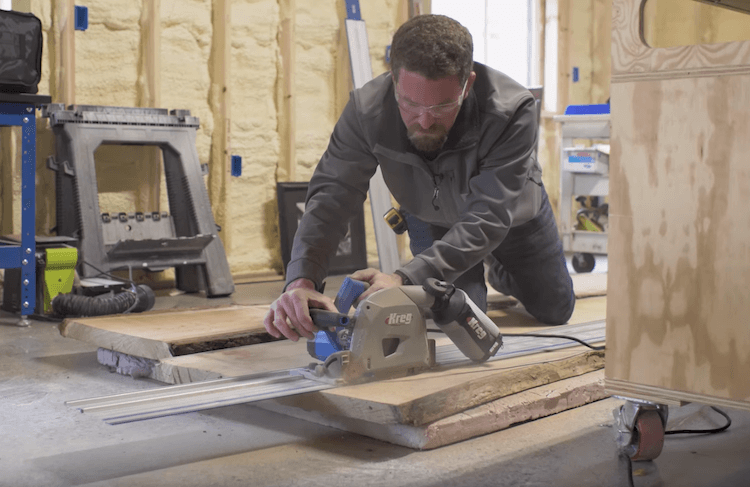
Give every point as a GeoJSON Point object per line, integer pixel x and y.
{"type": "Point", "coordinates": [436, 111]}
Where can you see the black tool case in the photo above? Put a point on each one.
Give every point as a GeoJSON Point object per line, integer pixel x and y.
{"type": "Point", "coordinates": [20, 52]}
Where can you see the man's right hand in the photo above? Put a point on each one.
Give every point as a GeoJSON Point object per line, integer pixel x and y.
{"type": "Point", "coordinates": [290, 313]}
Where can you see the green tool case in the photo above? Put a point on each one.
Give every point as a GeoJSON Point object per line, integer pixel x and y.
{"type": "Point", "coordinates": [20, 52]}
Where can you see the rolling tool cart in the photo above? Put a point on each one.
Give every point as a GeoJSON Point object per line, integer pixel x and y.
{"type": "Point", "coordinates": [584, 174]}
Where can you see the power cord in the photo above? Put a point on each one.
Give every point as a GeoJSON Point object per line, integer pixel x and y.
{"type": "Point", "coordinates": [706, 432]}
{"type": "Point", "coordinates": [539, 335]}
{"type": "Point", "coordinates": [545, 335]}
{"type": "Point", "coordinates": [103, 273]}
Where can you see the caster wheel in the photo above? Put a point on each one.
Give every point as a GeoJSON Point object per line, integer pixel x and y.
{"type": "Point", "coordinates": [583, 262]}
{"type": "Point", "coordinates": [648, 437]}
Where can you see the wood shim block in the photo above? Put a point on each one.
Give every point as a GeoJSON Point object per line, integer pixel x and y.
{"type": "Point", "coordinates": [161, 334]}
{"type": "Point", "coordinates": [494, 416]}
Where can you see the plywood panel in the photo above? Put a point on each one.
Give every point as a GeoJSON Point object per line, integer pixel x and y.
{"type": "Point", "coordinates": [680, 235]}
{"type": "Point", "coordinates": [679, 242]}
{"type": "Point", "coordinates": [633, 59]}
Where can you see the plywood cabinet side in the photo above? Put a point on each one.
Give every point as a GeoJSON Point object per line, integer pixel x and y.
{"type": "Point", "coordinates": [679, 241]}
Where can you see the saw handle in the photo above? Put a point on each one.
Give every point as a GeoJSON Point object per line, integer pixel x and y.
{"type": "Point", "coordinates": [326, 320]}
{"type": "Point", "coordinates": [348, 293]}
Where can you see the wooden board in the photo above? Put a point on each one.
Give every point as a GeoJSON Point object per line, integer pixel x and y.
{"type": "Point", "coordinates": [166, 333]}
{"type": "Point", "coordinates": [493, 416]}
{"type": "Point", "coordinates": [438, 407]}
{"type": "Point", "coordinates": [416, 401]}
{"type": "Point", "coordinates": [679, 258]}
{"type": "Point", "coordinates": [285, 354]}
{"type": "Point", "coordinates": [424, 398]}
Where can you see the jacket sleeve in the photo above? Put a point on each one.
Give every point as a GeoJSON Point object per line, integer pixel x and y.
{"type": "Point", "coordinates": [507, 184]}
{"type": "Point", "coordinates": [336, 192]}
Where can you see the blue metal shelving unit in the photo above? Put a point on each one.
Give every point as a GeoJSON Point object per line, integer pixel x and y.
{"type": "Point", "coordinates": [20, 110]}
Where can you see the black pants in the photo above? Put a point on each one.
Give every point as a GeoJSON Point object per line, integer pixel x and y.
{"type": "Point", "coordinates": [528, 265]}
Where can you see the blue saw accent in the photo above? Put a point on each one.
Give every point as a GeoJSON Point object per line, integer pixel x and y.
{"type": "Point", "coordinates": [326, 341]}
{"type": "Point", "coordinates": [81, 17]}
{"type": "Point", "coordinates": [348, 293]}
{"type": "Point", "coordinates": [575, 75]}
{"type": "Point", "coordinates": [352, 10]}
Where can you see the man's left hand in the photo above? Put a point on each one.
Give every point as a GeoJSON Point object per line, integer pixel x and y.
{"type": "Point", "coordinates": [377, 281]}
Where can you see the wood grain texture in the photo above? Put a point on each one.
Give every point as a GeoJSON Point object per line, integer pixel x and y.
{"type": "Point", "coordinates": [284, 354]}
{"type": "Point", "coordinates": [679, 261]}
{"type": "Point", "coordinates": [494, 416]}
{"type": "Point", "coordinates": [155, 335]}
{"type": "Point", "coordinates": [669, 397]}
{"type": "Point", "coordinates": [428, 397]}
{"type": "Point", "coordinates": [633, 59]}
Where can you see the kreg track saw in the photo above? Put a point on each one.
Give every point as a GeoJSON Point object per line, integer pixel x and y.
{"type": "Point", "coordinates": [385, 338]}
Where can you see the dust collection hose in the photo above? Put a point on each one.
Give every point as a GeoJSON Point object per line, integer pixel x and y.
{"type": "Point", "coordinates": [136, 300]}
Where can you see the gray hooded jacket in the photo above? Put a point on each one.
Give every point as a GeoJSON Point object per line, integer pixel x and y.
{"type": "Point", "coordinates": [485, 180]}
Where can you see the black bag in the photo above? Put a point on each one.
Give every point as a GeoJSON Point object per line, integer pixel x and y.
{"type": "Point", "coordinates": [20, 52]}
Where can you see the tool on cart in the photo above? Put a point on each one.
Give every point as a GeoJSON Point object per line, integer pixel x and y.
{"type": "Point", "coordinates": [387, 336]}
{"type": "Point", "coordinates": [592, 216]}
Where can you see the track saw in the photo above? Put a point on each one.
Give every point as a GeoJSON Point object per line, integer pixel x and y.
{"type": "Point", "coordinates": [387, 336]}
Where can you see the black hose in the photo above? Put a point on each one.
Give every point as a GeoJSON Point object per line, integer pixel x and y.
{"type": "Point", "coordinates": [136, 300]}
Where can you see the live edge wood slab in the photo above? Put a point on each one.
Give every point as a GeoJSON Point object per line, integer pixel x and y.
{"type": "Point", "coordinates": [442, 406]}
{"type": "Point", "coordinates": [158, 335]}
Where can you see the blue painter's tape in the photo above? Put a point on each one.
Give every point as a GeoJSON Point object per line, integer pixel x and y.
{"type": "Point", "coordinates": [236, 166]}
{"type": "Point", "coordinates": [352, 10]}
{"type": "Point", "coordinates": [81, 17]}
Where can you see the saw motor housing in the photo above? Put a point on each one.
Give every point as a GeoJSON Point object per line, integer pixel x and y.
{"type": "Point", "coordinates": [387, 336]}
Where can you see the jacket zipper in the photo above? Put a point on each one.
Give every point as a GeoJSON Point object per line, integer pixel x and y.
{"type": "Point", "coordinates": [436, 180]}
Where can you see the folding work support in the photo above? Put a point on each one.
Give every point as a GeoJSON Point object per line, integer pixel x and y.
{"type": "Point", "coordinates": [186, 239]}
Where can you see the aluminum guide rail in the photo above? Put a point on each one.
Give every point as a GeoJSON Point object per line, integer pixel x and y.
{"type": "Point", "coordinates": [198, 396]}
{"type": "Point", "coordinates": [591, 332]}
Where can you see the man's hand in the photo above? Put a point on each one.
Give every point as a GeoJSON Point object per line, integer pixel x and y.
{"type": "Point", "coordinates": [377, 281]}
{"type": "Point", "coordinates": [290, 313]}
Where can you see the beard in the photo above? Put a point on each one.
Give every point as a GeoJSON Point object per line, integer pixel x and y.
{"type": "Point", "coordinates": [427, 141]}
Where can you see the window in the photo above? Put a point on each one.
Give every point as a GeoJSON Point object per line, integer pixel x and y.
{"type": "Point", "coordinates": [504, 33]}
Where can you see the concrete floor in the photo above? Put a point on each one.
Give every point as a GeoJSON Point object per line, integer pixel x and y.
{"type": "Point", "coordinates": [45, 443]}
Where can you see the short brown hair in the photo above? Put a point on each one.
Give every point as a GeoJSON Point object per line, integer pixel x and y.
{"type": "Point", "coordinates": [434, 46]}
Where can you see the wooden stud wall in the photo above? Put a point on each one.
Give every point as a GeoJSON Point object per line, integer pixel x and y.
{"type": "Point", "coordinates": [220, 167]}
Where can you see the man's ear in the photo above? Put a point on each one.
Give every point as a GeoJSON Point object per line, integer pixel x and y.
{"type": "Point", "coordinates": [470, 82]}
